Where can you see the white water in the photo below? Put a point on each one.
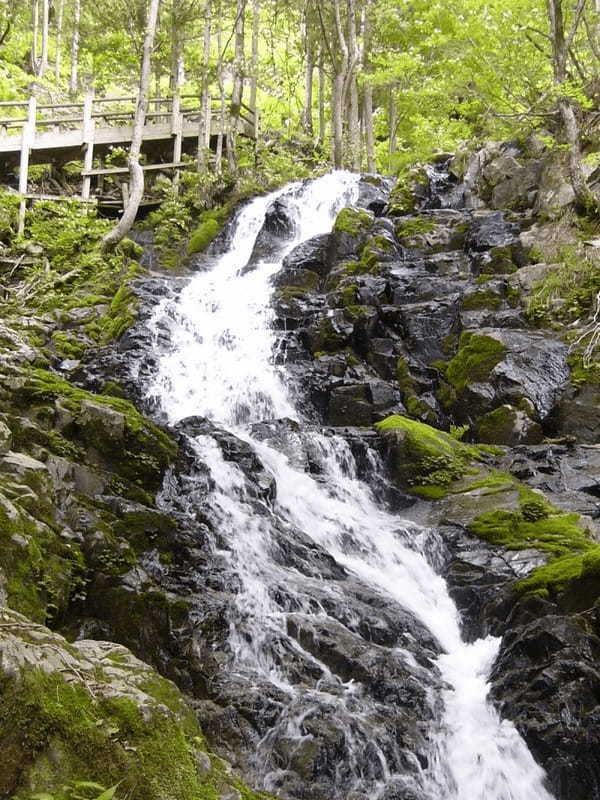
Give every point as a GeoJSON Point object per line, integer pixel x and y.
{"type": "Point", "coordinates": [220, 365]}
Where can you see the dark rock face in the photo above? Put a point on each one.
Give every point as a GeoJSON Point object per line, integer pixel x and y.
{"type": "Point", "coordinates": [546, 679]}
{"type": "Point", "coordinates": [277, 227]}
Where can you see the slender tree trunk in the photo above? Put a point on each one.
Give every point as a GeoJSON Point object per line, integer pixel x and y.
{"type": "Point", "coordinates": [74, 80]}
{"type": "Point", "coordinates": [59, 33]}
{"type": "Point", "coordinates": [561, 43]}
{"type": "Point", "coordinates": [322, 124]}
{"type": "Point", "coordinates": [35, 10]}
{"type": "Point", "coordinates": [307, 115]}
{"type": "Point", "coordinates": [136, 173]}
{"type": "Point", "coordinates": [177, 80]}
{"type": "Point", "coordinates": [368, 92]}
{"type": "Point", "coordinates": [222, 114]}
{"type": "Point", "coordinates": [352, 84]}
{"type": "Point", "coordinates": [254, 61]}
{"type": "Point", "coordinates": [238, 84]}
{"type": "Point", "coordinates": [392, 122]}
{"type": "Point", "coordinates": [205, 111]}
{"type": "Point", "coordinates": [339, 82]}
{"type": "Point", "coordinates": [43, 66]}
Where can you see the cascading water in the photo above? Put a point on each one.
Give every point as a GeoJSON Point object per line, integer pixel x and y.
{"type": "Point", "coordinates": [219, 364]}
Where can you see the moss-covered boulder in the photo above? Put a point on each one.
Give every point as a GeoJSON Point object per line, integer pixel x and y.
{"type": "Point", "coordinates": [496, 366]}
{"type": "Point", "coordinates": [351, 227]}
{"type": "Point", "coordinates": [89, 714]}
{"type": "Point", "coordinates": [112, 434]}
{"type": "Point", "coordinates": [423, 459]}
{"type": "Point", "coordinates": [510, 426]}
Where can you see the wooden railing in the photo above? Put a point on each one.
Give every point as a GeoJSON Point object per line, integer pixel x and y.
{"type": "Point", "coordinates": [172, 117]}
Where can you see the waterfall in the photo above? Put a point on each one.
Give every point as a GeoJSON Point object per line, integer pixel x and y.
{"type": "Point", "coordinates": [219, 364]}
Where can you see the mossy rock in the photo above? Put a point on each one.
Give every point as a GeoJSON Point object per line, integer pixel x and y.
{"type": "Point", "coordinates": [90, 712]}
{"type": "Point", "coordinates": [422, 456]}
{"type": "Point", "coordinates": [204, 234]}
{"type": "Point", "coordinates": [354, 222]}
{"type": "Point", "coordinates": [113, 433]}
{"type": "Point", "coordinates": [484, 299]}
{"type": "Point", "coordinates": [510, 426]}
{"type": "Point", "coordinates": [40, 568]}
{"type": "Point", "coordinates": [476, 357]}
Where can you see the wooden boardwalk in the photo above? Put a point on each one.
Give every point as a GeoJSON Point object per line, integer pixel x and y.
{"type": "Point", "coordinates": [87, 132]}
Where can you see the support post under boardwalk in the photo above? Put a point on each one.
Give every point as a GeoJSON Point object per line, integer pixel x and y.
{"type": "Point", "coordinates": [26, 143]}
{"type": "Point", "coordinates": [89, 125]}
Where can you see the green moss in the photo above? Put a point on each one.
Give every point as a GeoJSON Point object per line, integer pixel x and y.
{"type": "Point", "coordinates": [501, 261]}
{"type": "Point", "coordinates": [481, 300]}
{"type": "Point", "coordinates": [41, 568]}
{"type": "Point", "coordinates": [425, 456]}
{"type": "Point", "coordinates": [120, 316]}
{"type": "Point", "coordinates": [476, 357]}
{"type": "Point", "coordinates": [76, 738]}
{"type": "Point", "coordinates": [328, 340]}
{"type": "Point", "coordinates": [349, 295]}
{"type": "Point", "coordinates": [537, 524]}
{"type": "Point", "coordinates": [203, 236]}
{"type": "Point", "coordinates": [353, 221]}
{"type": "Point", "coordinates": [139, 454]}
{"type": "Point", "coordinates": [66, 345]}
{"type": "Point", "coordinates": [497, 426]}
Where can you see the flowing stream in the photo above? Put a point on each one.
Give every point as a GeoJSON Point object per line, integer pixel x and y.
{"type": "Point", "coordinates": [220, 364]}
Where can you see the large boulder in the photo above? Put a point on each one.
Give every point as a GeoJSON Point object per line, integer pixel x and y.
{"type": "Point", "coordinates": [497, 366]}
{"type": "Point", "coordinates": [89, 711]}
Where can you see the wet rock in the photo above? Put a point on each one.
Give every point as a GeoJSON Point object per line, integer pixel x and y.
{"type": "Point", "coordinates": [546, 680]}
{"type": "Point", "coordinates": [374, 193]}
{"type": "Point", "coordinates": [277, 228]}
{"type": "Point", "coordinates": [310, 255]}
{"type": "Point", "coordinates": [579, 414]}
{"type": "Point", "coordinates": [349, 405]}
{"type": "Point", "coordinates": [527, 367]}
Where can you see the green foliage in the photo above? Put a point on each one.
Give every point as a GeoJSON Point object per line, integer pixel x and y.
{"type": "Point", "coordinates": [569, 292]}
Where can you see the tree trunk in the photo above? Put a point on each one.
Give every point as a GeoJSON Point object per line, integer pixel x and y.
{"type": "Point", "coordinates": [368, 91]}
{"type": "Point", "coordinates": [34, 33]}
{"type": "Point", "coordinates": [561, 43]}
{"type": "Point", "coordinates": [254, 62]}
{"type": "Point", "coordinates": [392, 122]}
{"type": "Point", "coordinates": [322, 124]}
{"type": "Point", "coordinates": [309, 64]}
{"type": "Point", "coordinates": [352, 88]}
{"type": "Point", "coordinates": [237, 91]}
{"type": "Point", "coordinates": [59, 33]}
{"type": "Point", "coordinates": [43, 66]}
{"type": "Point", "coordinates": [339, 82]}
{"type": "Point", "coordinates": [222, 114]}
{"type": "Point", "coordinates": [136, 173]}
{"type": "Point", "coordinates": [177, 79]}
{"type": "Point", "coordinates": [74, 80]}
{"type": "Point", "coordinates": [205, 112]}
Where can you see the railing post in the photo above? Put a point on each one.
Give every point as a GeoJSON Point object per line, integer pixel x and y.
{"type": "Point", "coordinates": [177, 133]}
{"type": "Point", "coordinates": [89, 125]}
{"type": "Point", "coordinates": [27, 141]}
{"type": "Point", "coordinates": [208, 117]}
